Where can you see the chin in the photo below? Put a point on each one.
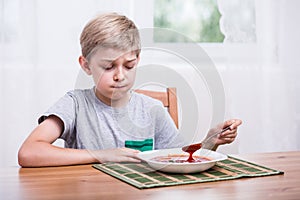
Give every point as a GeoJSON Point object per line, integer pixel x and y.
{"type": "Point", "coordinates": [118, 94]}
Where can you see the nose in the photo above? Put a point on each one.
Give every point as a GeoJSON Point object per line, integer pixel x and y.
{"type": "Point", "coordinates": [119, 74]}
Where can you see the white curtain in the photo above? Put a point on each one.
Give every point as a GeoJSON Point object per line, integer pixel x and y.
{"type": "Point", "coordinates": [262, 88]}
{"type": "Point", "coordinates": [39, 48]}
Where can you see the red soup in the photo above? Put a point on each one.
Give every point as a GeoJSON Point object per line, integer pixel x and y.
{"type": "Point", "coordinates": [180, 159]}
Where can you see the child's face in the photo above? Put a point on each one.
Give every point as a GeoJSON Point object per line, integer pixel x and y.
{"type": "Point", "coordinates": [114, 74]}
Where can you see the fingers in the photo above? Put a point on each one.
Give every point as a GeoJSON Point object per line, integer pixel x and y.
{"type": "Point", "coordinates": [129, 150]}
{"type": "Point", "coordinates": [116, 155]}
{"type": "Point", "coordinates": [230, 135]}
{"type": "Point", "coordinates": [227, 136]}
{"type": "Point", "coordinates": [228, 140]}
{"type": "Point", "coordinates": [233, 123]}
{"type": "Point", "coordinates": [129, 155]}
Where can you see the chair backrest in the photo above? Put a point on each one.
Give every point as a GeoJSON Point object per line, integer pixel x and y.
{"type": "Point", "coordinates": [168, 98]}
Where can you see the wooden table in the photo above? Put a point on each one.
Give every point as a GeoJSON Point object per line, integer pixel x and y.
{"type": "Point", "coordinates": [85, 182]}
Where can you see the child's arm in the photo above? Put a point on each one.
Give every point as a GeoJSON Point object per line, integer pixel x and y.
{"type": "Point", "coordinates": [37, 150]}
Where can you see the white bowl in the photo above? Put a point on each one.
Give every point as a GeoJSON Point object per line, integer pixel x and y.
{"type": "Point", "coordinates": [185, 167]}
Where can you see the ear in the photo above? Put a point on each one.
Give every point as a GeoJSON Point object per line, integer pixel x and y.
{"type": "Point", "coordinates": [84, 65]}
{"type": "Point", "coordinates": [138, 58]}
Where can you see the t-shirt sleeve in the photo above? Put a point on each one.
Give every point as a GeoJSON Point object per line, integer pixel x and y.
{"type": "Point", "coordinates": [166, 133]}
{"type": "Point", "coordinates": [64, 109]}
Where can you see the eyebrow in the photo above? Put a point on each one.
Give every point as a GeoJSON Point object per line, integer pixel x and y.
{"type": "Point", "coordinates": [131, 60]}
{"type": "Point", "coordinates": [110, 61]}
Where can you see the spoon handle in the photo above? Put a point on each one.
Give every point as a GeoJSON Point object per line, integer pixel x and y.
{"type": "Point", "coordinates": [217, 133]}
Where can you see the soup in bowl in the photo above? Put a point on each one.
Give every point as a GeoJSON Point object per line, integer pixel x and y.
{"type": "Point", "coordinates": [176, 161]}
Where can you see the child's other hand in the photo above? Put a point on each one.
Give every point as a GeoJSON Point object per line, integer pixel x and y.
{"type": "Point", "coordinates": [116, 155]}
{"type": "Point", "coordinates": [226, 137]}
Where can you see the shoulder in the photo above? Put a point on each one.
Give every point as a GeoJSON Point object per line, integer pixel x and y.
{"type": "Point", "coordinates": [80, 93]}
{"type": "Point", "coordinates": [73, 98]}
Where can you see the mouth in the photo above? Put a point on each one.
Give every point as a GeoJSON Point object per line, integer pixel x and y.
{"type": "Point", "coordinates": [118, 86]}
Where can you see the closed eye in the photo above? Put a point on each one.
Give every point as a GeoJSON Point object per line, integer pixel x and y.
{"type": "Point", "coordinates": [131, 64]}
{"type": "Point", "coordinates": [107, 68]}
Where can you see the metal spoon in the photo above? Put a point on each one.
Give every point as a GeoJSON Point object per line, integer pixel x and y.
{"type": "Point", "coordinates": [194, 147]}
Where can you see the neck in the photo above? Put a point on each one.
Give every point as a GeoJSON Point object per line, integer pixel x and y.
{"type": "Point", "coordinates": [114, 102]}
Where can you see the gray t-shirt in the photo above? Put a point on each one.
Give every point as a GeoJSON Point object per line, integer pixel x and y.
{"type": "Point", "coordinates": [91, 124]}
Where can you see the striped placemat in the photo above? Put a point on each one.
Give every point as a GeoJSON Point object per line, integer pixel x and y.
{"type": "Point", "coordinates": [142, 176]}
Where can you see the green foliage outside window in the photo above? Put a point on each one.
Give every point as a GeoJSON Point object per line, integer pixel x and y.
{"type": "Point", "coordinates": [196, 20]}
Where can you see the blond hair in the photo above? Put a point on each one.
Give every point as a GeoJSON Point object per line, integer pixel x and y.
{"type": "Point", "coordinates": [109, 30]}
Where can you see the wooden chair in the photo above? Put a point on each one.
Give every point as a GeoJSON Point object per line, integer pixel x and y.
{"type": "Point", "coordinates": [168, 98]}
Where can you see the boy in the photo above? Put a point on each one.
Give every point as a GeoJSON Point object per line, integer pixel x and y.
{"type": "Point", "coordinates": [97, 123]}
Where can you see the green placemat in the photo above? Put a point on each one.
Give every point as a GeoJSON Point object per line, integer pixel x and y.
{"type": "Point", "coordinates": [142, 176]}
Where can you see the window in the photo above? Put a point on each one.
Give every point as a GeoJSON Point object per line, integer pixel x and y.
{"type": "Point", "coordinates": [225, 29]}
{"type": "Point", "coordinates": [197, 20]}
{"type": "Point", "coordinates": [205, 21]}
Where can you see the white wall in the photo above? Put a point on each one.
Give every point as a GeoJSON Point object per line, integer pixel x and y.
{"type": "Point", "coordinates": [40, 65]}
{"type": "Point", "coordinates": [39, 50]}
